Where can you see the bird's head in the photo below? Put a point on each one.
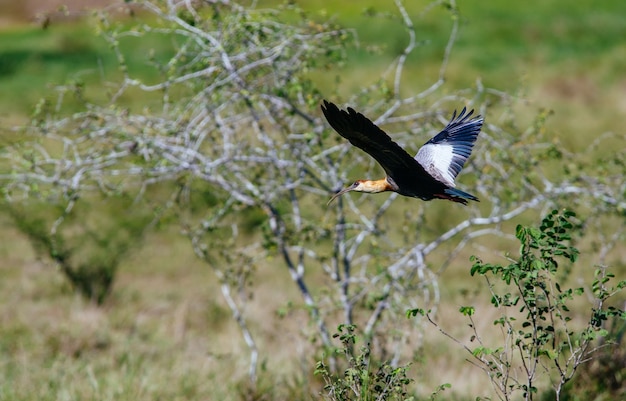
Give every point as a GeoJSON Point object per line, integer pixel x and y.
{"type": "Point", "coordinates": [356, 186]}
{"type": "Point", "coordinates": [368, 186]}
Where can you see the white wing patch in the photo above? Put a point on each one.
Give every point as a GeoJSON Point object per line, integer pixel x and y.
{"type": "Point", "coordinates": [436, 160]}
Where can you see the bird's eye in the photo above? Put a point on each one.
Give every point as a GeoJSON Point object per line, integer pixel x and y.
{"type": "Point", "coordinates": [356, 184]}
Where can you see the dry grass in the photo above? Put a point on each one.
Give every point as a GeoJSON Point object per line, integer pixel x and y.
{"type": "Point", "coordinates": [165, 332]}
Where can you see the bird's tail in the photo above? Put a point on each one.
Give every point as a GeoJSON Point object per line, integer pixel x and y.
{"type": "Point", "coordinates": [459, 196]}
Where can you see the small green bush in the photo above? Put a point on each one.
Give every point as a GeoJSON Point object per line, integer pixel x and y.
{"type": "Point", "coordinates": [540, 340]}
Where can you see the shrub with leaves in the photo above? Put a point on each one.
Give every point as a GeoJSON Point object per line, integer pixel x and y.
{"type": "Point", "coordinates": [540, 340]}
{"type": "Point", "coordinates": [363, 378]}
{"type": "Point", "coordinates": [604, 377]}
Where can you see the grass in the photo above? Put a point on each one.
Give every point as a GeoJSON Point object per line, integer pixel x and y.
{"type": "Point", "coordinates": [58, 347]}
{"type": "Point", "coordinates": [560, 56]}
{"type": "Point", "coordinates": [33, 61]}
{"type": "Point", "coordinates": [165, 334]}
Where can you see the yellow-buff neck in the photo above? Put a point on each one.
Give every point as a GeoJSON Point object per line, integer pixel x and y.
{"type": "Point", "coordinates": [369, 186]}
{"type": "Point", "coordinates": [372, 186]}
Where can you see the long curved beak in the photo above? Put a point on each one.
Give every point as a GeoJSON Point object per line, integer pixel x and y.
{"type": "Point", "coordinates": [343, 191]}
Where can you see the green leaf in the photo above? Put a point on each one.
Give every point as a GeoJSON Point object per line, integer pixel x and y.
{"type": "Point", "coordinates": [534, 233]}
{"type": "Point", "coordinates": [474, 269]}
{"type": "Point", "coordinates": [537, 265]}
{"type": "Point", "coordinates": [478, 351]}
{"type": "Point", "coordinates": [467, 310]}
{"type": "Point", "coordinates": [519, 232]}
{"type": "Point", "coordinates": [414, 312]}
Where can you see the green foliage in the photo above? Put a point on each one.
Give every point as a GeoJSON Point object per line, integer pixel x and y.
{"type": "Point", "coordinates": [363, 379]}
{"type": "Point", "coordinates": [535, 308]}
{"type": "Point", "coordinates": [540, 339]}
{"type": "Point", "coordinates": [604, 377]}
{"type": "Point", "coordinates": [467, 310]}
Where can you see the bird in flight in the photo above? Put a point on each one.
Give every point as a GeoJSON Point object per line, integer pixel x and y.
{"type": "Point", "coordinates": [428, 175]}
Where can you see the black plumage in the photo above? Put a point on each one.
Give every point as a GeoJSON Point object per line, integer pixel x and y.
{"type": "Point", "coordinates": [428, 175]}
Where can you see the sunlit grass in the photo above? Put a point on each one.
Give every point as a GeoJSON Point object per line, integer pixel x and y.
{"type": "Point", "coordinates": [35, 62]}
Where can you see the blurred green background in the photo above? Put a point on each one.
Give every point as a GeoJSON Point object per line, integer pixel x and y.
{"type": "Point", "coordinates": [548, 51]}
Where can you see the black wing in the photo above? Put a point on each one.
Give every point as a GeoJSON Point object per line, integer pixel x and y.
{"type": "Point", "coordinates": [365, 135]}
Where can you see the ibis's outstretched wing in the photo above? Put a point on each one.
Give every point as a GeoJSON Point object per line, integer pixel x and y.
{"type": "Point", "coordinates": [444, 155]}
{"type": "Point", "coordinates": [365, 135]}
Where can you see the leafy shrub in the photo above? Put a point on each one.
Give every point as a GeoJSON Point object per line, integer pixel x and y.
{"type": "Point", "coordinates": [539, 337]}
{"type": "Point", "coordinates": [364, 378]}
